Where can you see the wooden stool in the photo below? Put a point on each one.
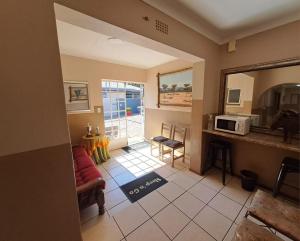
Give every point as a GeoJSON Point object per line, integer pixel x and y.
{"type": "Point", "coordinates": [249, 231]}
{"type": "Point", "coordinates": [288, 165]}
{"type": "Point", "coordinates": [225, 147]}
{"type": "Point", "coordinates": [276, 214]}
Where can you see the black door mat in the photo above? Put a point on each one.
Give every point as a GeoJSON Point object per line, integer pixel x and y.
{"type": "Point", "coordinates": [128, 149]}
{"type": "Point", "coordinates": [142, 186]}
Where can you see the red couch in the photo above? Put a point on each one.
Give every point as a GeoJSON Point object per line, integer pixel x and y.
{"type": "Point", "coordinates": [89, 182]}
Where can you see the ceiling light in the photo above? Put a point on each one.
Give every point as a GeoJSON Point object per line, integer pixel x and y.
{"type": "Point", "coordinates": [298, 85]}
{"type": "Point", "coordinates": [114, 40]}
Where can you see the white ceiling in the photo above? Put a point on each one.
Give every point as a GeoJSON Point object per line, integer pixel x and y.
{"type": "Point", "coordinates": [81, 42]}
{"type": "Point", "coordinates": [222, 20]}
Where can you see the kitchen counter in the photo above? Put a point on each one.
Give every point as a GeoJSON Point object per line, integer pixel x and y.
{"type": "Point", "coordinates": [260, 139]}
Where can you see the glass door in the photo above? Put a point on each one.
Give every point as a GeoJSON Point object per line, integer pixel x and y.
{"type": "Point", "coordinates": [123, 112]}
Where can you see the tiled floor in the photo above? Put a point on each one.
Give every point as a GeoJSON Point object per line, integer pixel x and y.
{"type": "Point", "coordinates": [188, 208]}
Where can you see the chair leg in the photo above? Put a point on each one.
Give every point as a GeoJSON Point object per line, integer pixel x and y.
{"type": "Point", "coordinates": [161, 152]}
{"type": "Point", "coordinates": [183, 158]}
{"type": "Point", "coordinates": [280, 177]}
{"type": "Point", "coordinates": [224, 152]}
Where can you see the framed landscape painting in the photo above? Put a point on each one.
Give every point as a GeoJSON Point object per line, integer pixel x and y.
{"type": "Point", "coordinates": [175, 88]}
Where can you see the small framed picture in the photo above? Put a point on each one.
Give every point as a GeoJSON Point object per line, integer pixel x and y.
{"type": "Point", "coordinates": [233, 96]}
{"type": "Point", "coordinates": [78, 93]}
{"type": "Point", "coordinates": [76, 96]}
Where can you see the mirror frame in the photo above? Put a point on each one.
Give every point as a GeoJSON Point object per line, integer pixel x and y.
{"type": "Point", "coordinates": [249, 68]}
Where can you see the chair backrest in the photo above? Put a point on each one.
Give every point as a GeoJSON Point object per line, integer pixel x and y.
{"type": "Point", "coordinates": [166, 130]}
{"type": "Point", "coordinates": [179, 134]}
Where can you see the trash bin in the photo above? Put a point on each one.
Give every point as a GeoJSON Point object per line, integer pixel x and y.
{"type": "Point", "coordinates": [248, 180]}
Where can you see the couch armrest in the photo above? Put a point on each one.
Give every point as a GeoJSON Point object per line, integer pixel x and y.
{"type": "Point", "coordinates": [89, 185]}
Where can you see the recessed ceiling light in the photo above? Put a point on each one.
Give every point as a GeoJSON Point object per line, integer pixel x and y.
{"type": "Point", "coordinates": [114, 40]}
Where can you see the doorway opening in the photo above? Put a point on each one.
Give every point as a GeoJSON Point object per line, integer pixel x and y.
{"type": "Point", "coordinates": [123, 107]}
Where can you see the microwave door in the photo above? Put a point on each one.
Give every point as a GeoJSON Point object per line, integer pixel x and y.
{"type": "Point", "coordinates": [229, 125]}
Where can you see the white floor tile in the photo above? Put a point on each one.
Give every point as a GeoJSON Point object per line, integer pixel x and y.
{"type": "Point", "coordinates": [130, 218]}
{"type": "Point", "coordinates": [110, 164]}
{"type": "Point", "coordinates": [143, 166]}
{"type": "Point", "coordinates": [103, 172]}
{"type": "Point", "coordinates": [165, 171]}
{"type": "Point", "coordinates": [116, 209]}
{"type": "Point", "coordinates": [127, 164]}
{"type": "Point", "coordinates": [171, 220]}
{"type": "Point", "coordinates": [113, 198]}
{"type": "Point", "coordinates": [134, 169]}
{"type": "Point", "coordinates": [230, 234]}
{"type": "Point", "coordinates": [226, 206]}
{"type": "Point", "coordinates": [153, 202]}
{"type": "Point", "coordinates": [188, 204]}
{"type": "Point", "coordinates": [182, 180]}
{"type": "Point", "coordinates": [124, 178]}
{"type": "Point", "coordinates": [193, 175]}
{"type": "Point", "coordinates": [101, 228]}
{"type": "Point", "coordinates": [136, 161]}
{"type": "Point", "coordinates": [241, 215]}
{"type": "Point", "coordinates": [213, 222]}
{"type": "Point", "coordinates": [110, 185]}
{"type": "Point", "coordinates": [193, 232]}
{"type": "Point", "coordinates": [121, 159]}
{"type": "Point", "coordinates": [203, 192]}
{"type": "Point", "coordinates": [170, 191]}
{"type": "Point", "coordinates": [129, 157]}
{"type": "Point", "coordinates": [89, 213]}
{"type": "Point", "coordinates": [148, 232]}
{"type": "Point", "coordinates": [214, 179]}
{"type": "Point", "coordinates": [117, 171]}
{"type": "Point", "coordinates": [234, 191]}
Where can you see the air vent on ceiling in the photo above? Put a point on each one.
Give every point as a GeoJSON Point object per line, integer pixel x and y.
{"type": "Point", "coordinates": [161, 26]}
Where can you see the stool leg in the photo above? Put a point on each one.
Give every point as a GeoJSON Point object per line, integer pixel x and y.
{"type": "Point", "coordinates": [223, 165]}
{"type": "Point", "coordinates": [230, 161]}
{"type": "Point", "coordinates": [280, 177]}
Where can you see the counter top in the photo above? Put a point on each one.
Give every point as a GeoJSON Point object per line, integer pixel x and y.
{"type": "Point", "coordinates": [261, 139]}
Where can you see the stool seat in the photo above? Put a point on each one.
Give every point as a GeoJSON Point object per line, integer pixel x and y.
{"type": "Point", "coordinates": [288, 165]}
{"type": "Point", "coordinates": [291, 164]}
{"type": "Point", "coordinates": [160, 139]}
{"type": "Point", "coordinates": [249, 231]}
{"type": "Point", "coordinates": [276, 214]}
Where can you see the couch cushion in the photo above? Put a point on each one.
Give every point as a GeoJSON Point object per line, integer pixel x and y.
{"type": "Point", "coordinates": [81, 158]}
{"type": "Point", "coordinates": [173, 143]}
{"type": "Point", "coordinates": [160, 138]}
{"type": "Point", "coordinates": [89, 174]}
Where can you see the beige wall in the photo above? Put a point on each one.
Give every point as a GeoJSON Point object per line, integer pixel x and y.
{"type": "Point", "coordinates": [276, 44]}
{"type": "Point", "coordinates": [38, 197]}
{"type": "Point", "coordinates": [171, 114]}
{"type": "Point", "coordinates": [92, 71]}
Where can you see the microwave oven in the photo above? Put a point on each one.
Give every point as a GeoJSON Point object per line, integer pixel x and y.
{"type": "Point", "coordinates": [239, 125]}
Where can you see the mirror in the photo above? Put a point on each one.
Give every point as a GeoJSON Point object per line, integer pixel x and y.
{"type": "Point", "coordinates": [262, 94]}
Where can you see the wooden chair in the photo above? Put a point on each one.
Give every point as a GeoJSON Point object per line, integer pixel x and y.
{"type": "Point", "coordinates": [177, 142]}
{"type": "Point", "coordinates": [165, 135]}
